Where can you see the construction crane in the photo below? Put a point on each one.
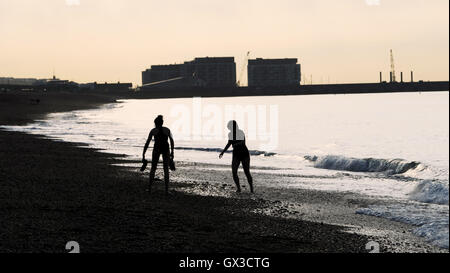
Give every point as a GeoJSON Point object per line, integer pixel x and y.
{"type": "Point", "coordinates": [239, 82]}
{"type": "Point", "coordinates": [392, 67]}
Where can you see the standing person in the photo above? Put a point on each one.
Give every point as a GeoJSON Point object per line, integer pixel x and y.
{"type": "Point", "coordinates": [236, 138]}
{"type": "Point", "coordinates": [161, 147]}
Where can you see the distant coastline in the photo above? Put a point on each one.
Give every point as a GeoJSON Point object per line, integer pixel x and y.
{"type": "Point", "coordinates": [322, 89]}
{"type": "Point", "coordinates": [186, 92]}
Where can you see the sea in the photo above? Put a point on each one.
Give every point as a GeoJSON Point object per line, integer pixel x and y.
{"type": "Point", "coordinates": [391, 147]}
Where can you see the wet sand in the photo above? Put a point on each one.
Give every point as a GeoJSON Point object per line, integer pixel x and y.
{"type": "Point", "coordinates": [52, 192]}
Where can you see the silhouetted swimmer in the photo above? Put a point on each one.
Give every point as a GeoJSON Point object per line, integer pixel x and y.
{"type": "Point", "coordinates": [161, 147]}
{"type": "Point", "coordinates": [240, 154]}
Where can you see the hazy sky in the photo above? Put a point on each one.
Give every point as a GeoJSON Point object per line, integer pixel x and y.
{"type": "Point", "coordinates": [114, 40]}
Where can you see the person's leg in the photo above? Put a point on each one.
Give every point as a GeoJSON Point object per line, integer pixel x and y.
{"type": "Point", "coordinates": [166, 158]}
{"type": "Point", "coordinates": [155, 159]}
{"type": "Point", "coordinates": [234, 168]}
{"type": "Point", "coordinates": [246, 166]}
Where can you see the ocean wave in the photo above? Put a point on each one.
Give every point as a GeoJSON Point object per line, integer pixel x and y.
{"type": "Point", "coordinates": [218, 150]}
{"type": "Point", "coordinates": [341, 163]}
{"type": "Point", "coordinates": [430, 191]}
{"type": "Point", "coordinates": [431, 222]}
{"type": "Point", "coordinates": [435, 232]}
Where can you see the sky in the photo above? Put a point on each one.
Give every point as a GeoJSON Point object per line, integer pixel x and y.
{"type": "Point", "coordinates": [114, 40]}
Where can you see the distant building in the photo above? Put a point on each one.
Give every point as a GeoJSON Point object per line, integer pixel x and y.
{"type": "Point", "coordinates": [159, 73]}
{"type": "Point", "coordinates": [111, 87]}
{"type": "Point", "coordinates": [53, 84]}
{"type": "Point", "coordinates": [20, 81]}
{"type": "Point", "coordinates": [105, 87]}
{"type": "Point", "coordinates": [211, 72]}
{"type": "Point", "coordinates": [207, 72]}
{"type": "Point", "coordinates": [273, 72]}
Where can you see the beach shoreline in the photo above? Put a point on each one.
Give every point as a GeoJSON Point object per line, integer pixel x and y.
{"type": "Point", "coordinates": [54, 192]}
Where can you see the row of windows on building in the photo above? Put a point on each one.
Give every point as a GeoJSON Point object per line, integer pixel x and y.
{"type": "Point", "coordinates": [221, 72]}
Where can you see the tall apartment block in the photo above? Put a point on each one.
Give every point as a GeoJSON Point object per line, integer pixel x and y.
{"type": "Point", "coordinates": [206, 72]}
{"type": "Point", "coordinates": [273, 72]}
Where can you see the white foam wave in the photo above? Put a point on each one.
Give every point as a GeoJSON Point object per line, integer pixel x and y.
{"type": "Point", "coordinates": [431, 220]}
{"type": "Point", "coordinates": [429, 191]}
{"type": "Point", "coordinates": [388, 166]}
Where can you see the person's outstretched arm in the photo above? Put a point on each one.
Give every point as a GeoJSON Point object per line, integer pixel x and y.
{"type": "Point", "coordinates": [150, 135]}
{"type": "Point", "coordinates": [172, 144]}
{"type": "Point", "coordinates": [225, 149]}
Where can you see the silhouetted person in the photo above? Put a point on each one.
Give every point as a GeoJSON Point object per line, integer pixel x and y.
{"type": "Point", "coordinates": [161, 147]}
{"type": "Point", "coordinates": [236, 138]}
